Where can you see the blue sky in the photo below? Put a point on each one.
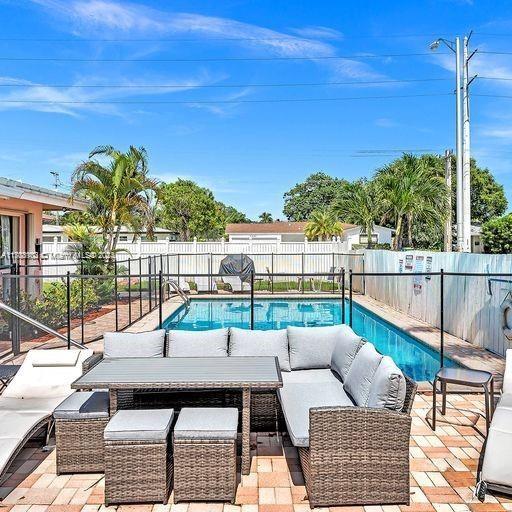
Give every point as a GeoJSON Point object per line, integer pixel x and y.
{"type": "Point", "coordinates": [247, 149]}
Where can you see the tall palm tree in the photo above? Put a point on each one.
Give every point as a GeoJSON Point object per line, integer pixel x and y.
{"type": "Point", "coordinates": [118, 192]}
{"type": "Point", "coordinates": [322, 226]}
{"type": "Point", "coordinates": [266, 218]}
{"type": "Point", "coordinates": [359, 203]}
{"type": "Point", "coordinates": [412, 190]}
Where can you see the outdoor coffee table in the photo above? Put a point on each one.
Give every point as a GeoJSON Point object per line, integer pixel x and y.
{"type": "Point", "coordinates": [464, 377]}
{"type": "Point", "coordinates": [188, 373]}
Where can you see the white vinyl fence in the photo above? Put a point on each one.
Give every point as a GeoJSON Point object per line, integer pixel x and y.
{"type": "Point", "coordinates": [472, 305]}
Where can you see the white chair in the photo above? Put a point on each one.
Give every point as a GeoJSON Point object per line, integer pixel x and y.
{"type": "Point", "coordinates": [203, 284]}
{"type": "Point", "coordinates": [27, 404]}
{"type": "Point", "coordinates": [236, 284]}
{"type": "Point", "coordinates": [496, 466]}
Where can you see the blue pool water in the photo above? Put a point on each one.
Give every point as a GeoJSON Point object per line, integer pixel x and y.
{"type": "Point", "coordinates": [413, 357]}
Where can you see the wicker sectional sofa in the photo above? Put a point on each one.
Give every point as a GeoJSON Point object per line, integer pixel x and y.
{"type": "Point", "coordinates": [345, 406]}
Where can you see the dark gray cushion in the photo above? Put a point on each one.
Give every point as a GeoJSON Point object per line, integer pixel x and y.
{"type": "Point", "coordinates": [298, 399]}
{"type": "Point", "coordinates": [212, 343]}
{"type": "Point", "coordinates": [134, 344]}
{"type": "Point", "coordinates": [207, 423]}
{"type": "Point", "coordinates": [388, 387]}
{"type": "Point", "coordinates": [361, 373]}
{"type": "Point", "coordinates": [312, 347]}
{"type": "Point", "coordinates": [139, 425]}
{"type": "Point", "coordinates": [83, 405]}
{"type": "Point", "coordinates": [345, 350]}
{"type": "Point", "coordinates": [244, 342]}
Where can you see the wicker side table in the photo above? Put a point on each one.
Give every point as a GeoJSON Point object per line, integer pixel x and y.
{"type": "Point", "coordinates": [138, 458]}
{"type": "Point", "coordinates": [205, 454]}
{"type": "Point", "coordinates": [79, 424]}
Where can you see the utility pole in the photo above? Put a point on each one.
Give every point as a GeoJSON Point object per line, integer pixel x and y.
{"type": "Point", "coordinates": [448, 179]}
{"type": "Point", "coordinates": [56, 184]}
{"type": "Point", "coordinates": [458, 149]}
{"type": "Point", "coordinates": [466, 172]}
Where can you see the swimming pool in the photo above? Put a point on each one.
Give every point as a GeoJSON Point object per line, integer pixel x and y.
{"type": "Point", "coordinates": [416, 359]}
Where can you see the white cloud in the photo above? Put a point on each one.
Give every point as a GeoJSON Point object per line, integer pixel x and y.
{"type": "Point", "coordinates": [385, 122]}
{"type": "Point", "coordinates": [499, 133]}
{"type": "Point", "coordinates": [318, 32]}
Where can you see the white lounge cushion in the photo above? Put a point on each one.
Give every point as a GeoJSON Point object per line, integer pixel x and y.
{"type": "Point", "coordinates": [139, 425]}
{"type": "Point", "coordinates": [312, 347]}
{"type": "Point", "coordinates": [345, 350]}
{"type": "Point", "coordinates": [46, 405]}
{"type": "Point", "coordinates": [83, 405]}
{"type": "Point", "coordinates": [207, 423]}
{"type": "Point", "coordinates": [46, 381]}
{"type": "Point", "coordinates": [244, 342]}
{"type": "Point", "coordinates": [8, 446]}
{"type": "Point", "coordinates": [360, 376]}
{"type": "Point", "coordinates": [51, 358]}
{"type": "Point", "coordinates": [298, 399]}
{"type": "Point", "coordinates": [212, 343]}
{"type": "Point", "coordinates": [507, 378]}
{"type": "Point", "coordinates": [388, 386]}
{"type": "Point", "coordinates": [17, 424]}
{"type": "Point", "coordinates": [134, 344]}
{"type": "Point", "coordinates": [309, 376]}
{"type": "Point", "coordinates": [496, 467]}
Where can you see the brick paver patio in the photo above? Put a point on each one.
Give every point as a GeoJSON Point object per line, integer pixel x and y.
{"type": "Point", "coordinates": [443, 469]}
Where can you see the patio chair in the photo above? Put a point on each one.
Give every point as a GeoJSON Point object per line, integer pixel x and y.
{"type": "Point", "coordinates": [27, 404]}
{"type": "Point", "coordinates": [204, 284]}
{"type": "Point", "coordinates": [236, 284]}
{"type": "Point", "coordinates": [495, 471]}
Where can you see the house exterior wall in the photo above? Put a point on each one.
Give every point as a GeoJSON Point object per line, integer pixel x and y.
{"type": "Point", "coordinates": [352, 236]}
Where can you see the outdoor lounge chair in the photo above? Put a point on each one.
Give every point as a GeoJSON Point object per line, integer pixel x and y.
{"type": "Point", "coordinates": [204, 284]}
{"type": "Point", "coordinates": [26, 406]}
{"type": "Point", "coordinates": [495, 472]}
{"type": "Point", "coordinates": [236, 284]}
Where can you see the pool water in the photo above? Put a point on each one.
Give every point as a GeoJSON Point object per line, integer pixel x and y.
{"type": "Point", "coordinates": [416, 359]}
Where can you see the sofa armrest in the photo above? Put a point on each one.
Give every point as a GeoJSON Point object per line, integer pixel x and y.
{"type": "Point", "coordinates": [92, 361]}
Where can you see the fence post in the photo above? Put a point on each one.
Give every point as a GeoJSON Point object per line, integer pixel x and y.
{"type": "Point", "coordinates": [68, 300]}
{"type": "Point", "coordinates": [210, 273]}
{"type": "Point", "coordinates": [115, 295]}
{"type": "Point", "coordinates": [140, 285]}
{"type": "Point", "coordinates": [302, 272]}
{"type": "Point", "coordinates": [14, 285]}
{"type": "Point", "coordinates": [333, 272]}
{"type": "Point", "coordinates": [252, 300]}
{"type": "Point", "coordinates": [149, 284]}
{"type": "Point", "coordinates": [160, 284]}
{"type": "Point", "coordinates": [343, 295]}
{"type": "Point", "coordinates": [82, 327]}
{"type": "Point", "coordinates": [129, 291]}
{"type": "Point", "coordinates": [272, 273]}
{"type": "Point", "coordinates": [350, 297]}
{"type": "Point", "coordinates": [441, 302]}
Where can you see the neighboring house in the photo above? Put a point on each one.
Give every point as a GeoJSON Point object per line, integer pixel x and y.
{"type": "Point", "coordinates": [477, 245]}
{"type": "Point", "coordinates": [53, 233]}
{"type": "Point", "coordinates": [21, 216]}
{"type": "Point", "coordinates": [294, 232]}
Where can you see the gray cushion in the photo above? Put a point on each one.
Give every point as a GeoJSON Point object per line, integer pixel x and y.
{"type": "Point", "coordinates": [134, 344]}
{"type": "Point", "coordinates": [83, 405]}
{"type": "Point", "coordinates": [311, 347]}
{"type": "Point", "coordinates": [243, 342]}
{"type": "Point", "coordinates": [345, 351]}
{"type": "Point", "coordinates": [207, 423]}
{"type": "Point", "coordinates": [213, 343]}
{"type": "Point", "coordinates": [361, 373]}
{"type": "Point", "coordinates": [298, 399]}
{"type": "Point", "coordinates": [388, 387]}
{"type": "Point", "coordinates": [139, 425]}
{"type": "Point", "coordinates": [309, 376]}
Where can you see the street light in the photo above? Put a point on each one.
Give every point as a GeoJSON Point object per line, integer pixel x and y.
{"type": "Point", "coordinates": [454, 46]}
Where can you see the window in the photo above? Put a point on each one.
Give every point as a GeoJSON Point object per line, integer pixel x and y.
{"type": "Point", "coordinates": [123, 238]}
{"type": "Point", "coordinates": [50, 239]}
{"type": "Point", "coordinates": [6, 247]}
{"type": "Point", "coordinates": [363, 239]}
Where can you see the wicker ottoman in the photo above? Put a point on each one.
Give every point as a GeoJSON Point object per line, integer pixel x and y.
{"type": "Point", "coordinates": [138, 458]}
{"type": "Point", "coordinates": [79, 424]}
{"type": "Point", "coordinates": [205, 454]}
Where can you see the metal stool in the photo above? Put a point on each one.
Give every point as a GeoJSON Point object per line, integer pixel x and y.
{"type": "Point", "coordinates": [464, 377]}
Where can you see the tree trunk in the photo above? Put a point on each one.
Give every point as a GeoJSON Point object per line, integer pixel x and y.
{"type": "Point", "coordinates": [409, 230]}
{"type": "Point", "coordinates": [397, 242]}
{"type": "Point", "coordinates": [369, 231]}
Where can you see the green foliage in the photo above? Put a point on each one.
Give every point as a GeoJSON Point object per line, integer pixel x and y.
{"type": "Point", "coordinates": [323, 225]}
{"type": "Point", "coordinates": [497, 235]}
{"type": "Point", "coordinates": [233, 216]}
{"type": "Point", "coordinates": [266, 218]}
{"type": "Point", "coordinates": [317, 192]}
{"type": "Point", "coordinates": [374, 246]}
{"type": "Point", "coordinates": [191, 210]}
{"type": "Point", "coordinates": [359, 203]}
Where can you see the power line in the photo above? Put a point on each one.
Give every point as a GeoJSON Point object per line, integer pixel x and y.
{"type": "Point", "coordinates": [196, 86]}
{"type": "Point", "coordinates": [215, 59]}
{"type": "Point", "coordinates": [490, 52]}
{"type": "Point", "coordinates": [207, 102]}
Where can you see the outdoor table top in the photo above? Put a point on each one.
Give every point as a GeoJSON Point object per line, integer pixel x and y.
{"type": "Point", "coordinates": [465, 376]}
{"type": "Point", "coordinates": [183, 372]}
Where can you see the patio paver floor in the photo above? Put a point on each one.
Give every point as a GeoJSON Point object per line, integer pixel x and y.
{"type": "Point", "coordinates": [443, 469]}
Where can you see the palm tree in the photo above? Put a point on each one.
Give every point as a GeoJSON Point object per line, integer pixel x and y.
{"type": "Point", "coordinates": [411, 191]}
{"type": "Point", "coordinates": [266, 218]}
{"type": "Point", "coordinates": [118, 192]}
{"type": "Point", "coordinates": [322, 226]}
{"type": "Point", "coordinates": [358, 202]}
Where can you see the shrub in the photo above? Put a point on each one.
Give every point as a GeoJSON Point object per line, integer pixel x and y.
{"type": "Point", "coordinates": [497, 235]}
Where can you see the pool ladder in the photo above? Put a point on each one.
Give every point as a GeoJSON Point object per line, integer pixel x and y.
{"type": "Point", "coordinates": [171, 283]}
